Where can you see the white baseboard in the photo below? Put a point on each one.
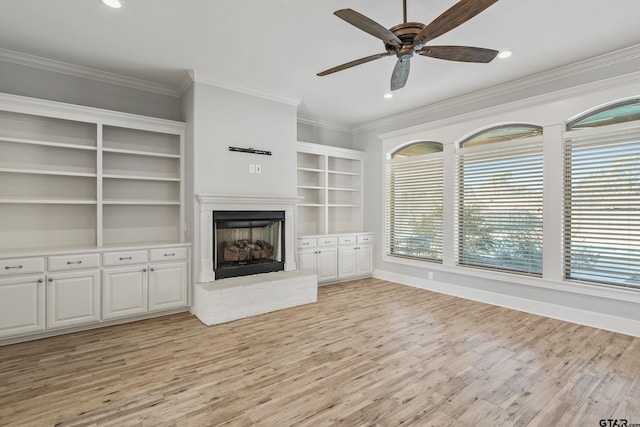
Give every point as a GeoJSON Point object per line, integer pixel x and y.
{"type": "Point", "coordinates": [555, 311]}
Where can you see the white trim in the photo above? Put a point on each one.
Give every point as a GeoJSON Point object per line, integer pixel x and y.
{"type": "Point", "coordinates": [555, 311]}
{"type": "Point", "coordinates": [209, 79]}
{"type": "Point", "coordinates": [86, 72]}
{"type": "Point", "coordinates": [513, 87]}
{"type": "Point", "coordinates": [61, 110]}
{"type": "Point", "coordinates": [325, 124]}
{"type": "Point", "coordinates": [580, 288]}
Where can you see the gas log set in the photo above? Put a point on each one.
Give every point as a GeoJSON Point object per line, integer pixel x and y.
{"type": "Point", "coordinates": [244, 250]}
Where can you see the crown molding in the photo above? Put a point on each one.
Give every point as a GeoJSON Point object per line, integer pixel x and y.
{"type": "Point", "coordinates": [85, 72]}
{"type": "Point", "coordinates": [516, 86]}
{"type": "Point", "coordinates": [198, 76]}
{"type": "Point", "coordinates": [325, 124]}
{"type": "Point", "coordinates": [558, 95]}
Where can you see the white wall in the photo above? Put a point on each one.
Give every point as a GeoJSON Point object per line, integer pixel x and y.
{"type": "Point", "coordinates": [598, 306]}
{"type": "Point", "coordinates": [33, 82]}
{"type": "Point", "coordinates": [218, 118]}
{"type": "Point", "coordinates": [223, 118]}
{"type": "Point", "coordinates": [318, 134]}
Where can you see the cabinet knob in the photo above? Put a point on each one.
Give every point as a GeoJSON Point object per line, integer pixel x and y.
{"type": "Point", "coordinates": [50, 279]}
{"type": "Point", "coordinates": [153, 269]}
{"type": "Point", "coordinates": [144, 270]}
{"type": "Point", "coordinates": [40, 280]}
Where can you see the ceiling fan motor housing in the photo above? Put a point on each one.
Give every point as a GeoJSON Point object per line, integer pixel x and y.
{"type": "Point", "coordinates": [406, 32]}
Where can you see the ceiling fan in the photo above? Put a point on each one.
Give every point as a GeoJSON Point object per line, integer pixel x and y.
{"type": "Point", "coordinates": [406, 39]}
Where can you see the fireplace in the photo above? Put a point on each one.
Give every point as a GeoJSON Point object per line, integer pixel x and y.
{"type": "Point", "coordinates": [247, 242]}
{"type": "Point", "coordinates": [204, 247]}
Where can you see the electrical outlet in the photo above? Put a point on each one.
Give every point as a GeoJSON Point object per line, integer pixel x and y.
{"type": "Point", "coordinates": [252, 168]}
{"type": "Point", "coordinates": [258, 169]}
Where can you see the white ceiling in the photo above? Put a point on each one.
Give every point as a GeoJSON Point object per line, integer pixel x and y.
{"type": "Point", "coordinates": [278, 46]}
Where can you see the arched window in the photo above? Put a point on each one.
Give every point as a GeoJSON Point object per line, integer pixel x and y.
{"type": "Point", "coordinates": [501, 133]}
{"type": "Point", "coordinates": [619, 112]}
{"type": "Point", "coordinates": [414, 194]}
{"type": "Point", "coordinates": [602, 196]}
{"type": "Point", "coordinates": [499, 199]}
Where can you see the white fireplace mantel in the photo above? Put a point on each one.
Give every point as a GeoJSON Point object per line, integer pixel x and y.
{"type": "Point", "coordinates": [207, 203]}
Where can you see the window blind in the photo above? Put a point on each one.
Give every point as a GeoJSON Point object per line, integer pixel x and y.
{"type": "Point", "coordinates": [602, 207]}
{"type": "Point", "coordinates": [414, 194]}
{"type": "Point", "coordinates": [499, 206]}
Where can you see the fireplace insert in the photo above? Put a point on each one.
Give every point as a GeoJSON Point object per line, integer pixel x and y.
{"type": "Point", "coordinates": [247, 242]}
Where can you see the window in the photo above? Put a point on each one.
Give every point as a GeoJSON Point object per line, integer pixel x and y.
{"type": "Point", "coordinates": [414, 201]}
{"type": "Point", "coordinates": [499, 203]}
{"type": "Point", "coordinates": [602, 197]}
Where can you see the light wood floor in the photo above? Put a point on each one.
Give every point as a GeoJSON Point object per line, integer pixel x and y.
{"type": "Point", "coordinates": [369, 352]}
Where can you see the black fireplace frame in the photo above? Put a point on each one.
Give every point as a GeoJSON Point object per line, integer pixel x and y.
{"type": "Point", "coordinates": [247, 219]}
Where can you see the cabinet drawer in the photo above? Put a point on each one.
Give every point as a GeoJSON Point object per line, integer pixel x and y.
{"type": "Point", "coordinates": [365, 238]}
{"type": "Point", "coordinates": [328, 241]}
{"type": "Point", "coordinates": [168, 254]}
{"type": "Point", "coordinates": [9, 267]}
{"type": "Point", "coordinates": [124, 258]}
{"type": "Point", "coordinates": [347, 240]}
{"type": "Point", "coordinates": [306, 243]}
{"type": "Point", "coordinates": [73, 262]}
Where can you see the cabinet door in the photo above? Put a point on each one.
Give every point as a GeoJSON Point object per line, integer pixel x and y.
{"type": "Point", "coordinates": [307, 261]}
{"type": "Point", "coordinates": [21, 305]}
{"type": "Point", "coordinates": [167, 286]}
{"type": "Point", "coordinates": [73, 298]}
{"type": "Point", "coordinates": [364, 261]}
{"type": "Point", "coordinates": [124, 291]}
{"type": "Point", "coordinates": [327, 264]}
{"type": "Point", "coordinates": [346, 261]}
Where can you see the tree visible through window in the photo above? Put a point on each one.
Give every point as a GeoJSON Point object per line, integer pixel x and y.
{"type": "Point", "coordinates": [499, 203]}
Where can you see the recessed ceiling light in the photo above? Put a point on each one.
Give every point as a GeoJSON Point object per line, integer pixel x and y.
{"type": "Point", "coordinates": [388, 95]}
{"type": "Point", "coordinates": [113, 3]}
{"type": "Point", "coordinates": [505, 54]}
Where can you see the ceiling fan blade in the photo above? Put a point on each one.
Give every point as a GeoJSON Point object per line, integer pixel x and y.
{"type": "Point", "coordinates": [459, 53]}
{"type": "Point", "coordinates": [457, 14]}
{"type": "Point", "coordinates": [400, 73]}
{"type": "Point", "coordinates": [353, 63]}
{"type": "Point", "coordinates": [368, 25]}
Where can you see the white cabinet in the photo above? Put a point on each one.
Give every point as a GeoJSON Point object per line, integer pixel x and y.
{"type": "Point", "coordinates": [73, 298]}
{"type": "Point", "coordinates": [167, 286]}
{"type": "Point", "coordinates": [329, 181]}
{"type": "Point", "coordinates": [146, 287]}
{"type": "Point", "coordinates": [319, 256]}
{"type": "Point", "coordinates": [355, 255]}
{"type": "Point", "coordinates": [124, 291]}
{"type": "Point", "coordinates": [364, 260]}
{"type": "Point", "coordinates": [22, 305]}
{"type": "Point", "coordinates": [336, 257]}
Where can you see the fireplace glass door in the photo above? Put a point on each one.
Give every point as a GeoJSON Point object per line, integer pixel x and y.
{"type": "Point", "coordinates": [247, 242]}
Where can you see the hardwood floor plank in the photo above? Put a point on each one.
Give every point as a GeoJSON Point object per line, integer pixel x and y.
{"type": "Point", "coordinates": [370, 352]}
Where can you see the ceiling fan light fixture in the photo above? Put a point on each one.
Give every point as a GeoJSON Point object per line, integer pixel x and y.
{"type": "Point", "coordinates": [505, 54]}
{"type": "Point", "coordinates": [113, 3]}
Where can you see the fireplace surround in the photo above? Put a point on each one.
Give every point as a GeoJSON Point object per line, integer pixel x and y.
{"type": "Point", "coordinates": [204, 241]}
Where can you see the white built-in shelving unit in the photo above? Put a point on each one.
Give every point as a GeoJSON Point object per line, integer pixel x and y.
{"type": "Point", "coordinates": [330, 185]}
{"type": "Point", "coordinates": [91, 218]}
{"type": "Point", "coordinates": [80, 177]}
